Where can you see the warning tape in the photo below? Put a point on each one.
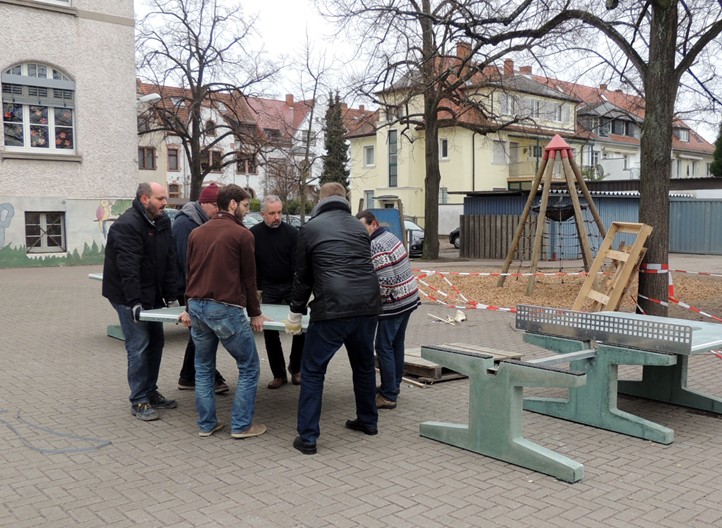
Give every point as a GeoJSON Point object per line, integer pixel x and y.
{"type": "Point", "coordinates": [470, 305]}
{"type": "Point", "coordinates": [676, 301]}
{"type": "Point", "coordinates": [426, 273]}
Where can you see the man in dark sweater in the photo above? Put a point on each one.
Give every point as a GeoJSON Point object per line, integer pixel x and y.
{"type": "Point", "coordinates": [275, 264]}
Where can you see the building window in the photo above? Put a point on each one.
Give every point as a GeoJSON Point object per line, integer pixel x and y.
{"type": "Point", "coordinates": [605, 128]}
{"type": "Point", "coordinates": [146, 158]}
{"type": "Point", "coordinates": [173, 161]}
{"type": "Point", "coordinates": [508, 104]}
{"type": "Point", "coordinates": [38, 104]}
{"type": "Point", "coordinates": [498, 153]}
{"type": "Point", "coordinates": [369, 156]}
{"type": "Point", "coordinates": [216, 160]}
{"type": "Point", "coordinates": [45, 232]}
{"type": "Point", "coordinates": [393, 158]}
{"type": "Point", "coordinates": [211, 128]}
{"type": "Point", "coordinates": [368, 199]}
{"type": "Point", "coordinates": [444, 149]}
{"type": "Point", "coordinates": [443, 195]}
{"type": "Point", "coordinates": [308, 137]}
{"type": "Point", "coordinates": [682, 134]}
{"type": "Point", "coordinates": [174, 190]}
{"type": "Point", "coordinates": [246, 165]}
{"type": "Point", "coordinates": [538, 151]}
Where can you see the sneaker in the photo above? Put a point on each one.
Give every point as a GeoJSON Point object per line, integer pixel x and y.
{"type": "Point", "coordinates": [307, 448]}
{"type": "Point", "coordinates": [186, 384]}
{"type": "Point", "coordinates": [253, 430]}
{"type": "Point", "coordinates": [277, 382]}
{"type": "Point", "coordinates": [144, 411]}
{"type": "Point", "coordinates": [206, 434]}
{"type": "Point", "coordinates": [221, 386]}
{"type": "Point", "coordinates": [383, 403]}
{"type": "Point", "coordinates": [358, 426]}
{"type": "Point", "coordinates": [158, 401]}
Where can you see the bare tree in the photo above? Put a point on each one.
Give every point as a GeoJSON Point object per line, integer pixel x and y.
{"type": "Point", "coordinates": [197, 55]}
{"type": "Point", "coordinates": [413, 48]}
{"type": "Point", "coordinates": [658, 48]}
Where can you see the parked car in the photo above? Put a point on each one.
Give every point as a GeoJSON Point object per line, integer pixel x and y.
{"type": "Point", "coordinates": [415, 236]}
{"type": "Point", "coordinates": [294, 220]}
{"type": "Point", "coordinates": [249, 221]}
{"type": "Point", "coordinates": [171, 213]}
{"type": "Point", "coordinates": [258, 217]}
{"type": "Point", "coordinates": [455, 239]}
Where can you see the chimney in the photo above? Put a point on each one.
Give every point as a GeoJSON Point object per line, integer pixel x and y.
{"type": "Point", "coordinates": [361, 108]}
{"type": "Point", "coordinates": [603, 87]}
{"type": "Point", "coordinates": [344, 107]}
{"type": "Point", "coordinates": [289, 99]}
{"type": "Point", "coordinates": [463, 50]}
{"type": "Point", "coordinates": [525, 70]}
{"type": "Point", "coordinates": [508, 68]}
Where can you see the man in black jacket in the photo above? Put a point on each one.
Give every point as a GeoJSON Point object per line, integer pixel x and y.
{"type": "Point", "coordinates": [334, 263]}
{"type": "Point", "coordinates": [140, 273]}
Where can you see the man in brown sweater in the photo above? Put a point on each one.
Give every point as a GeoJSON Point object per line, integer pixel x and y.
{"type": "Point", "coordinates": [221, 282]}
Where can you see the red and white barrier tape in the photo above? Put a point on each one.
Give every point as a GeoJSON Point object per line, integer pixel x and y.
{"type": "Point", "coordinates": [681, 304]}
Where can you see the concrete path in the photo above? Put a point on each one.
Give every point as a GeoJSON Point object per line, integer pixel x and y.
{"type": "Point", "coordinates": [71, 454]}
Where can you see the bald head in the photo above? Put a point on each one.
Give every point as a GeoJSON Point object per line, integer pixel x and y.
{"type": "Point", "coordinates": [153, 198]}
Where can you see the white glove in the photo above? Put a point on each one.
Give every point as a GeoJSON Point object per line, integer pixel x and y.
{"type": "Point", "coordinates": [293, 323]}
{"type": "Point", "coordinates": [172, 304]}
{"type": "Point", "coordinates": [135, 312]}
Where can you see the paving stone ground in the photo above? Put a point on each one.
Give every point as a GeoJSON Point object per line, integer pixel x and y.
{"type": "Point", "coordinates": [71, 454]}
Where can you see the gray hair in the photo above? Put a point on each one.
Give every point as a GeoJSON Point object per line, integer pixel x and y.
{"type": "Point", "coordinates": [269, 199]}
{"type": "Point", "coordinates": [143, 190]}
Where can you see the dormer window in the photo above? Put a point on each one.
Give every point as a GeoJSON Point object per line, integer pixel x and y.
{"type": "Point", "coordinates": [682, 134]}
{"type": "Point", "coordinates": [211, 128]}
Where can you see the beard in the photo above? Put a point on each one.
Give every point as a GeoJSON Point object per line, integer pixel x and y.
{"type": "Point", "coordinates": [153, 211]}
{"type": "Point", "coordinates": [239, 215]}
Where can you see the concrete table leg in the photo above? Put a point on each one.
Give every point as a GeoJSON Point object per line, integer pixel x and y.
{"type": "Point", "coordinates": [495, 412]}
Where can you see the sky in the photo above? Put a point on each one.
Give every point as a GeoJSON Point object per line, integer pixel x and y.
{"type": "Point", "coordinates": [284, 25]}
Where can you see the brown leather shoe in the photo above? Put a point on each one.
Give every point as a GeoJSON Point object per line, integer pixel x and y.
{"type": "Point", "coordinates": [296, 378]}
{"type": "Point", "coordinates": [277, 382]}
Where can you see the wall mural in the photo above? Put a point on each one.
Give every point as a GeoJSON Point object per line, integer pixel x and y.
{"type": "Point", "coordinates": [7, 211]}
{"type": "Point", "coordinates": [14, 254]}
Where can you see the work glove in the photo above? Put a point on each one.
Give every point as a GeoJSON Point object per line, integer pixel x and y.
{"type": "Point", "coordinates": [172, 303]}
{"type": "Point", "coordinates": [135, 312]}
{"type": "Point", "coordinates": [292, 323]}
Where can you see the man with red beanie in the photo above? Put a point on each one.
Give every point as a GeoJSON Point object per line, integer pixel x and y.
{"type": "Point", "coordinates": [191, 216]}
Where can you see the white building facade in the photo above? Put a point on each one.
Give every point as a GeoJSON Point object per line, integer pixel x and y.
{"type": "Point", "coordinates": [68, 149]}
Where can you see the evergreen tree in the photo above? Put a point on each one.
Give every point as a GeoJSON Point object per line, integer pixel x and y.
{"type": "Point", "coordinates": [716, 167]}
{"type": "Point", "coordinates": [335, 161]}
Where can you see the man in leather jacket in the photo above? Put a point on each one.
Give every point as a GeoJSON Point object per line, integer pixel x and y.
{"type": "Point", "coordinates": [334, 263]}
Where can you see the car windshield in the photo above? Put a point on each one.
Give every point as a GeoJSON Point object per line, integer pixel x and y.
{"type": "Point", "coordinates": [411, 226]}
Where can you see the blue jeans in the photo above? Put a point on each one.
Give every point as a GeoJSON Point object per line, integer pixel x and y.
{"type": "Point", "coordinates": [212, 322]}
{"type": "Point", "coordinates": [323, 339]}
{"type": "Point", "coordinates": [390, 335]}
{"type": "Point", "coordinates": [144, 345]}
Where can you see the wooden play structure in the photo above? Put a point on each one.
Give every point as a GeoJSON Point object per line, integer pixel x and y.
{"type": "Point", "coordinates": [574, 182]}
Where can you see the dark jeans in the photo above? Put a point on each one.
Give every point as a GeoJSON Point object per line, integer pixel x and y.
{"type": "Point", "coordinates": [144, 345]}
{"type": "Point", "coordinates": [323, 339]}
{"type": "Point", "coordinates": [390, 336]}
{"type": "Point", "coordinates": [272, 338]}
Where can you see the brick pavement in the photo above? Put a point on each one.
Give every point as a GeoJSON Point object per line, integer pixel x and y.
{"type": "Point", "coordinates": [61, 374]}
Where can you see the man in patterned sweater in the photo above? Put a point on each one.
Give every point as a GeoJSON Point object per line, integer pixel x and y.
{"type": "Point", "coordinates": [399, 297]}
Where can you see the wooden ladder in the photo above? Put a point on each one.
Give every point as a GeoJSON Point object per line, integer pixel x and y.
{"type": "Point", "coordinates": [624, 263]}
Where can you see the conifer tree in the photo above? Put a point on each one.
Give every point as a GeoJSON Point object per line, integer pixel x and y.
{"type": "Point", "coordinates": [335, 161]}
